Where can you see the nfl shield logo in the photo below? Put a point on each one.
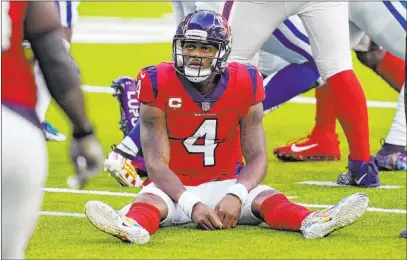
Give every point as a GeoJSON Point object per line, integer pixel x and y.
{"type": "Point", "coordinates": [206, 106]}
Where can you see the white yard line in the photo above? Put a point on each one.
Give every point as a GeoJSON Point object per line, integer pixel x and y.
{"type": "Point", "coordinates": [334, 184]}
{"type": "Point", "coordinates": [62, 214]}
{"type": "Point", "coordinates": [92, 192]}
{"type": "Point", "coordinates": [397, 211]}
{"type": "Point", "coordinates": [103, 192]}
{"type": "Point", "coordinates": [298, 100]}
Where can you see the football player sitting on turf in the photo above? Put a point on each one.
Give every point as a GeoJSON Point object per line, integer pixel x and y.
{"type": "Point", "coordinates": [189, 115]}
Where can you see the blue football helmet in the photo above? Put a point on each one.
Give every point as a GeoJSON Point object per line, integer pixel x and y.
{"type": "Point", "coordinates": [206, 27]}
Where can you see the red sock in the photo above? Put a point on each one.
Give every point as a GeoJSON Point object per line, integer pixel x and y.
{"type": "Point", "coordinates": [392, 68]}
{"type": "Point", "coordinates": [325, 118]}
{"type": "Point", "coordinates": [279, 213]}
{"type": "Point", "coordinates": [350, 107]}
{"type": "Point", "coordinates": [146, 215]}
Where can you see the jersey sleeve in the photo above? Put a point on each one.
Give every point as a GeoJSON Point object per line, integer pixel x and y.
{"type": "Point", "coordinates": [147, 88]}
{"type": "Point", "coordinates": [256, 79]}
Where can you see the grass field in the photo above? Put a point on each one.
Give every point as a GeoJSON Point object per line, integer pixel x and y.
{"type": "Point", "coordinates": [71, 236]}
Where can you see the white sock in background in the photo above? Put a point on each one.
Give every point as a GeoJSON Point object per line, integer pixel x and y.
{"type": "Point", "coordinates": [397, 133]}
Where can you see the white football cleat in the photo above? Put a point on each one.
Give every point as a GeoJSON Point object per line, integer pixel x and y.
{"type": "Point", "coordinates": [122, 170]}
{"type": "Point", "coordinates": [321, 223]}
{"type": "Point", "coordinates": [108, 220]}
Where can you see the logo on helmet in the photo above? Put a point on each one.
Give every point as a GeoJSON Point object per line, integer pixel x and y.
{"type": "Point", "coordinates": [196, 35]}
{"type": "Point", "coordinates": [222, 22]}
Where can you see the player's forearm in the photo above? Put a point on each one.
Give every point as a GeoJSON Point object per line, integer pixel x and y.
{"type": "Point", "coordinates": [61, 77]}
{"type": "Point", "coordinates": [253, 140]}
{"type": "Point", "coordinates": [156, 150]}
{"type": "Point", "coordinates": [166, 180]}
{"type": "Point", "coordinates": [254, 172]}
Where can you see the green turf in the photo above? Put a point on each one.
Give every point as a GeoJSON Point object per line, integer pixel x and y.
{"type": "Point", "coordinates": [125, 9]}
{"type": "Point", "coordinates": [375, 236]}
{"type": "Point", "coordinates": [117, 60]}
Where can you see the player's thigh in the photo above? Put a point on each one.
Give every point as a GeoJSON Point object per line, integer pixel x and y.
{"type": "Point", "coordinates": [358, 39]}
{"type": "Point", "coordinates": [24, 170]}
{"type": "Point", "coordinates": [178, 10]}
{"type": "Point", "coordinates": [384, 22]}
{"type": "Point", "coordinates": [212, 192]}
{"type": "Point", "coordinates": [247, 217]}
{"type": "Point", "coordinates": [327, 26]}
{"type": "Point", "coordinates": [213, 6]}
{"type": "Point", "coordinates": [250, 29]}
{"type": "Point", "coordinates": [189, 7]}
{"type": "Point", "coordinates": [270, 64]}
{"type": "Point", "coordinates": [175, 215]}
{"type": "Point", "coordinates": [290, 42]}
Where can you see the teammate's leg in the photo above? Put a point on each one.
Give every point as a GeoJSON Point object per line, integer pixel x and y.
{"type": "Point", "coordinates": [131, 144]}
{"type": "Point", "coordinates": [23, 176]}
{"type": "Point", "coordinates": [269, 63]}
{"type": "Point", "coordinates": [178, 11]}
{"type": "Point", "coordinates": [389, 67]}
{"type": "Point", "coordinates": [251, 29]}
{"type": "Point", "coordinates": [68, 11]}
{"type": "Point", "coordinates": [328, 29]}
{"type": "Point", "coordinates": [44, 98]}
{"type": "Point", "coordinates": [392, 155]}
{"type": "Point", "coordinates": [189, 7]}
{"type": "Point", "coordinates": [403, 233]}
{"type": "Point", "coordinates": [126, 163]}
{"type": "Point", "coordinates": [289, 82]}
{"type": "Point", "coordinates": [384, 22]}
{"type": "Point", "coordinates": [290, 41]}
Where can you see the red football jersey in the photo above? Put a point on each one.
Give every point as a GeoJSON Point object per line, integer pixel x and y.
{"type": "Point", "coordinates": [18, 85]}
{"type": "Point", "coordinates": [202, 129]}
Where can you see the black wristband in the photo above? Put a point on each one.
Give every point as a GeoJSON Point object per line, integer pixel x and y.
{"type": "Point", "coordinates": [79, 135]}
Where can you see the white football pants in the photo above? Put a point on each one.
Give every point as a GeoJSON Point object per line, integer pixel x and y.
{"type": "Point", "coordinates": [326, 24]}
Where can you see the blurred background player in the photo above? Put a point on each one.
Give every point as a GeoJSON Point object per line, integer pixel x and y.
{"type": "Point", "coordinates": [68, 11]}
{"type": "Point", "coordinates": [24, 166]}
{"type": "Point", "coordinates": [403, 233]}
{"type": "Point", "coordinates": [182, 9]}
{"type": "Point", "coordinates": [322, 143]}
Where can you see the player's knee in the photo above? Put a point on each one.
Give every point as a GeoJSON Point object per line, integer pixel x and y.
{"type": "Point", "coordinates": [155, 200]}
{"type": "Point", "coordinates": [371, 58]}
{"type": "Point", "coordinates": [258, 201]}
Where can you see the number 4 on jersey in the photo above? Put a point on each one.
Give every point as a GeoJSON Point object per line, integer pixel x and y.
{"type": "Point", "coordinates": [207, 131]}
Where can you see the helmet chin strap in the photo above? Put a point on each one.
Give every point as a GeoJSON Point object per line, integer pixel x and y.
{"type": "Point", "coordinates": [192, 74]}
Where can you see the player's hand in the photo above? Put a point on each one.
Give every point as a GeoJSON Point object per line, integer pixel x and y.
{"type": "Point", "coordinates": [205, 217]}
{"type": "Point", "coordinates": [87, 158]}
{"type": "Point", "coordinates": [229, 210]}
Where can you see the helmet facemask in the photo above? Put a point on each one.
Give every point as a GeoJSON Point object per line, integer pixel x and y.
{"type": "Point", "coordinates": [185, 62]}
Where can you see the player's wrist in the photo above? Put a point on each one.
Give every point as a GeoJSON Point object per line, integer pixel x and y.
{"type": "Point", "coordinates": [82, 131]}
{"type": "Point", "coordinates": [187, 201]}
{"type": "Point", "coordinates": [240, 191]}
